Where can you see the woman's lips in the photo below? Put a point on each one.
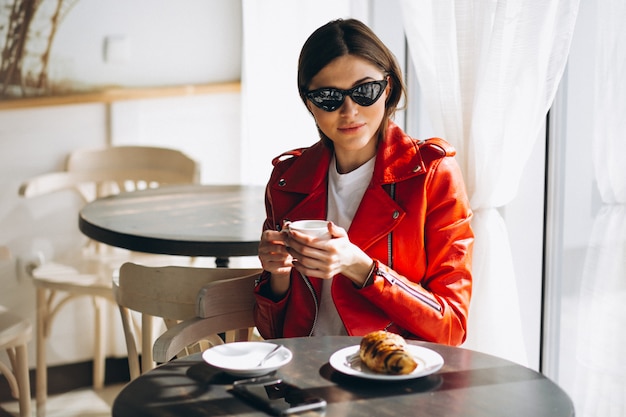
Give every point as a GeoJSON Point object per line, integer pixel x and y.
{"type": "Point", "coordinates": [351, 128]}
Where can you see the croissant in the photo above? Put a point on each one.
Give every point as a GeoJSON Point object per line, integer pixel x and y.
{"type": "Point", "coordinates": [385, 352]}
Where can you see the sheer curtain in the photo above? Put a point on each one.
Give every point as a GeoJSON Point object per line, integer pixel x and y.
{"type": "Point", "coordinates": [489, 72]}
{"type": "Point", "coordinates": [601, 364]}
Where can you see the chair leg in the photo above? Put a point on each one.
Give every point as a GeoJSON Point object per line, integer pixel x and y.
{"type": "Point", "coordinates": [99, 342]}
{"type": "Point", "coordinates": [147, 325]}
{"type": "Point", "coordinates": [131, 346]}
{"type": "Point", "coordinates": [23, 382]}
{"type": "Point", "coordinates": [41, 379]}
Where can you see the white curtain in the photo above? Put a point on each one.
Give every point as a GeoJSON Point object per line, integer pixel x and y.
{"type": "Point", "coordinates": [601, 360]}
{"type": "Point", "coordinates": [489, 71]}
{"type": "Point", "coordinates": [274, 119]}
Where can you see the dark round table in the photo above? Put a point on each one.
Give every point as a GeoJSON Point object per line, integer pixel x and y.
{"type": "Point", "coordinates": [218, 221]}
{"type": "Point", "coordinates": [470, 384]}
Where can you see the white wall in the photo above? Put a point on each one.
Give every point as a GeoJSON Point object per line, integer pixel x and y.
{"type": "Point", "coordinates": [206, 127]}
{"type": "Point", "coordinates": [169, 43]}
{"type": "Point", "coordinates": [148, 42]}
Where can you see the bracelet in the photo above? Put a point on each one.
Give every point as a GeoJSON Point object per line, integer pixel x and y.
{"type": "Point", "coordinates": [369, 276]}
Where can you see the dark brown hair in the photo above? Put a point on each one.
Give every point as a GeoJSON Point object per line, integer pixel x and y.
{"type": "Point", "coordinates": [349, 37]}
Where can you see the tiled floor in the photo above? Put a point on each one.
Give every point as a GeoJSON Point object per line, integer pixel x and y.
{"type": "Point", "coordinates": [79, 403]}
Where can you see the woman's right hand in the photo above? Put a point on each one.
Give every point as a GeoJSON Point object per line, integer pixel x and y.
{"type": "Point", "coordinates": [276, 260]}
{"type": "Point", "coordinates": [273, 253]}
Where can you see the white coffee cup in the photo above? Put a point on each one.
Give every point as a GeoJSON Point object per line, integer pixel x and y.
{"type": "Point", "coordinates": [314, 228]}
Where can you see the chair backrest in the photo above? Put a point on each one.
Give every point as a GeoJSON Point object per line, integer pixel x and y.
{"type": "Point", "coordinates": [223, 306]}
{"type": "Point", "coordinates": [15, 333]}
{"type": "Point", "coordinates": [13, 330]}
{"type": "Point", "coordinates": [170, 292]}
{"type": "Point", "coordinates": [162, 165]}
{"type": "Point", "coordinates": [94, 173]}
{"type": "Point", "coordinates": [103, 171]}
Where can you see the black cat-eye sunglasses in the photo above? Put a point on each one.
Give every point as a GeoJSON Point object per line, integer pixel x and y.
{"type": "Point", "coordinates": [330, 99]}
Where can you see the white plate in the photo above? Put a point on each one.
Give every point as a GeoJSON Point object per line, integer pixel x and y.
{"type": "Point", "coordinates": [242, 358]}
{"type": "Point", "coordinates": [347, 361]}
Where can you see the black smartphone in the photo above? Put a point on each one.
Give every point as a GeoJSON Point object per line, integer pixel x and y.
{"type": "Point", "coordinates": [277, 397]}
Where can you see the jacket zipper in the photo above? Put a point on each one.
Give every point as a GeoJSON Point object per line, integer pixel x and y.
{"type": "Point", "coordinates": [393, 280]}
{"type": "Point", "coordinates": [423, 298]}
{"type": "Point", "coordinates": [312, 291]}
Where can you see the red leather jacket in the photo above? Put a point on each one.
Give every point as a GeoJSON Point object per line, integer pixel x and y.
{"type": "Point", "coordinates": [414, 220]}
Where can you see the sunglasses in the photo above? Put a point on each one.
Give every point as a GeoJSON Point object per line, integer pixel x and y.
{"type": "Point", "coordinates": [330, 99]}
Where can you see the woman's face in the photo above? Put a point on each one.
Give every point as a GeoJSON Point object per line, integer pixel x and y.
{"type": "Point", "coordinates": [351, 127]}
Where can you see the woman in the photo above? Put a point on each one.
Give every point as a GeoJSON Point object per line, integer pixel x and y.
{"type": "Point", "coordinates": [400, 254]}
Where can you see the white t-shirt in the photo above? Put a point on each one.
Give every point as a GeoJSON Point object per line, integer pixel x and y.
{"type": "Point", "coordinates": [345, 192]}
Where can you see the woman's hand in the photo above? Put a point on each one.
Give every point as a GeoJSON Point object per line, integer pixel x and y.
{"type": "Point", "coordinates": [325, 258]}
{"type": "Point", "coordinates": [273, 252]}
{"type": "Point", "coordinates": [276, 260]}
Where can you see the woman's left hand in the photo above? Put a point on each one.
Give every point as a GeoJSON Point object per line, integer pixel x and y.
{"type": "Point", "coordinates": [325, 258]}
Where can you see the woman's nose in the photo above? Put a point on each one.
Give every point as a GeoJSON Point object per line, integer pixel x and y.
{"type": "Point", "coordinates": [349, 106]}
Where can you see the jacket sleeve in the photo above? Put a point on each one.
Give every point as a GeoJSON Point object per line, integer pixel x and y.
{"type": "Point", "coordinates": [269, 314]}
{"type": "Point", "coordinates": [434, 306]}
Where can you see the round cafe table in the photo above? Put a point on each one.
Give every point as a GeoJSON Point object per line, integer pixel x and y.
{"type": "Point", "coordinates": [470, 384]}
{"type": "Point", "coordinates": [218, 221]}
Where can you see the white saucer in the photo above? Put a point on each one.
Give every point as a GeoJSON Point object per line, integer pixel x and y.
{"type": "Point", "coordinates": [242, 358]}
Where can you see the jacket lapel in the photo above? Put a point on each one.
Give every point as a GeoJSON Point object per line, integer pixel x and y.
{"type": "Point", "coordinates": [376, 216]}
{"type": "Point", "coordinates": [306, 181]}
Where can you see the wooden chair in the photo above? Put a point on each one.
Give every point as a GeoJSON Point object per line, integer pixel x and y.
{"type": "Point", "coordinates": [171, 293]}
{"type": "Point", "coordinates": [223, 306]}
{"type": "Point", "coordinates": [94, 173]}
{"type": "Point", "coordinates": [15, 333]}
